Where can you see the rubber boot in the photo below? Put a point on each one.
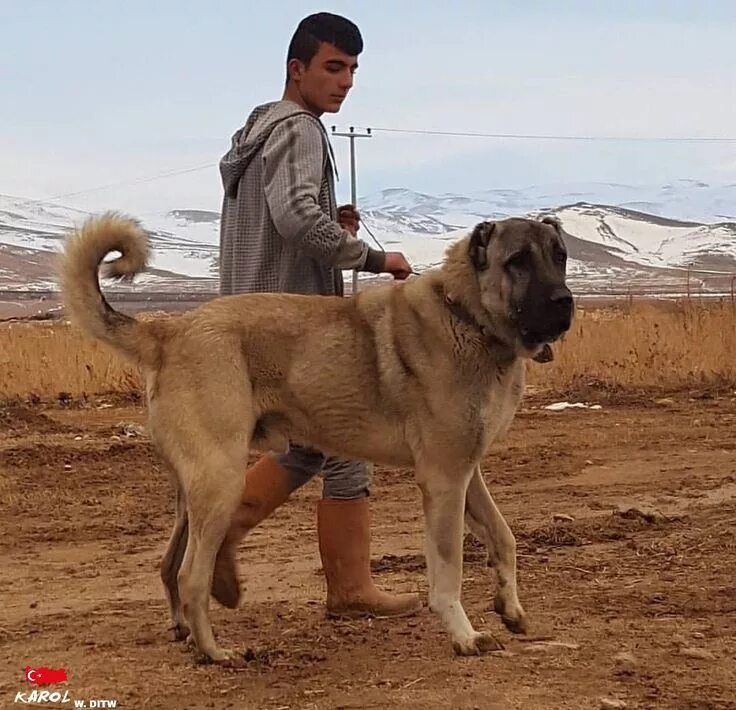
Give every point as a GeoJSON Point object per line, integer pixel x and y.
{"type": "Point", "coordinates": [343, 528]}
{"type": "Point", "coordinates": [267, 486]}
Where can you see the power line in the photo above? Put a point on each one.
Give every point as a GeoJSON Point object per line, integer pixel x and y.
{"type": "Point", "coordinates": [122, 183]}
{"type": "Point", "coordinates": [546, 137]}
{"type": "Point", "coordinates": [136, 181]}
{"type": "Point", "coordinates": [414, 131]}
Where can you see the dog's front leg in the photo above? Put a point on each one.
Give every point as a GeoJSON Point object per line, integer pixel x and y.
{"type": "Point", "coordinates": [444, 503]}
{"type": "Point", "coordinates": [487, 524]}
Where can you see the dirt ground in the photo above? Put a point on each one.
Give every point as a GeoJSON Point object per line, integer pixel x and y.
{"type": "Point", "coordinates": [638, 607]}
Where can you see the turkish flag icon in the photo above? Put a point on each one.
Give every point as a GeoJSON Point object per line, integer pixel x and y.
{"type": "Point", "coordinates": [45, 676]}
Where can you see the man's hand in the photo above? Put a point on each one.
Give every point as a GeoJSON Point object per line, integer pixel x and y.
{"type": "Point", "coordinates": [397, 265]}
{"type": "Point", "coordinates": [349, 218]}
{"type": "Point", "coordinates": [395, 262]}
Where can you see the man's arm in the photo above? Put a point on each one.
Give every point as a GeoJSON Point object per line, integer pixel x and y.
{"type": "Point", "coordinates": [293, 160]}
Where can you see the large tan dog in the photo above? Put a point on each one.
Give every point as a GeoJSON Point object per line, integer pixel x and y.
{"type": "Point", "coordinates": [425, 374]}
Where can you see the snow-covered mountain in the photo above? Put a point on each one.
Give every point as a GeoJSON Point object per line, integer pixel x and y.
{"type": "Point", "coordinates": [620, 237]}
{"type": "Point", "coordinates": [614, 245]}
{"type": "Point", "coordinates": [688, 200]}
{"type": "Point", "coordinates": [31, 234]}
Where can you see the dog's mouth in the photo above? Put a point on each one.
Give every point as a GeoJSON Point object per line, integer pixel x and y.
{"type": "Point", "coordinates": [543, 329]}
{"type": "Point", "coordinates": [532, 339]}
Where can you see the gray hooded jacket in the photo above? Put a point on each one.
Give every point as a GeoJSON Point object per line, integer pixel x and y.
{"type": "Point", "coordinates": [278, 229]}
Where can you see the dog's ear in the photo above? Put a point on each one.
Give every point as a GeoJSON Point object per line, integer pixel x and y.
{"type": "Point", "coordinates": [553, 221]}
{"type": "Point", "coordinates": [479, 240]}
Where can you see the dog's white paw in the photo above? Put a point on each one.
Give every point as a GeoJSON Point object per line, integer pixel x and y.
{"type": "Point", "coordinates": [477, 644]}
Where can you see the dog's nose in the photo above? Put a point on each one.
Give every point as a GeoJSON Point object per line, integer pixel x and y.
{"type": "Point", "coordinates": [562, 298]}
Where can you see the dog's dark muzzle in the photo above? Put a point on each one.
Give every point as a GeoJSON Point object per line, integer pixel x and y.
{"type": "Point", "coordinates": [546, 322]}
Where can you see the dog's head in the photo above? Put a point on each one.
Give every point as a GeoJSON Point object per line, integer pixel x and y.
{"type": "Point", "coordinates": [519, 267]}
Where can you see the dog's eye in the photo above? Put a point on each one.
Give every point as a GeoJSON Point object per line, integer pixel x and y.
{"type": "Point", "coordinates": [560, 256]}
{"type": "Point", "coordinates": [518, 260]}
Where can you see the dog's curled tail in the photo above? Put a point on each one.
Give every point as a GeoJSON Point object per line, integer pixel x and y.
{"type": "Point", "coordinates": [84, 252]}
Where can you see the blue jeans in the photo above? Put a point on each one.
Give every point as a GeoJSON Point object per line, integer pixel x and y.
{"type": "Point", "coordinates": [343, 479]}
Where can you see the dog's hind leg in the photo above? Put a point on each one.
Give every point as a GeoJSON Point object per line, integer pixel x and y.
{"type": "Point", "coordinates": [213, 494]}
{"type": "Point", "coordinates": [171, 563]}
{"type": "Point", "coordinates": [443, 496]}
{"type": "Point", "coordinates": [487, 524]}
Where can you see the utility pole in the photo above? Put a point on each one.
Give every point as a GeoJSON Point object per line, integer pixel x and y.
{"type": "Point", "coordinates": [352, 134]}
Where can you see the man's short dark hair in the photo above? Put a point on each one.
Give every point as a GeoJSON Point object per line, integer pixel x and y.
{"type": "Point", "coordinates": [324, 27]}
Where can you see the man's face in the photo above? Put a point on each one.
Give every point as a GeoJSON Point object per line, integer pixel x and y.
{"type": "Point", "coordinates": [325, 82]}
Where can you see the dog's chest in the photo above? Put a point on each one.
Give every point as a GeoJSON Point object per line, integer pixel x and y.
{"type": "Point", "coordinates": [500, 404]}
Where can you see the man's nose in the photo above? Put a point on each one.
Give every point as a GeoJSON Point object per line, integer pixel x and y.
{"type": "Point", "coordinates": [346, 80]}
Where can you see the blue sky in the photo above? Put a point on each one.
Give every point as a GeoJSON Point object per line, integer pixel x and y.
{"type": "Point", "coordinates": [96, 93]}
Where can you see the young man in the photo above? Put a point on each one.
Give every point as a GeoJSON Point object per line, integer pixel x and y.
{"type": "Point", "coordinates": [281, 231]}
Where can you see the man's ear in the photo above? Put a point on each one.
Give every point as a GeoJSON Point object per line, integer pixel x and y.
{"type": "Point", "coordinates": [294, 68]}
{"type": "Point", "coordinates": [479, 241]}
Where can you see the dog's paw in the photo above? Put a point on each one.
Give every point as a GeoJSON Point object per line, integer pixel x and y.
{"type": "Point", "coordinates": [225, 657]}
{"type": "Point", "coordinates": [177, 632]}
{"type": "Point", "coordinates": [516, 625]}
{"type": "Point", "coordinates": [477, 644]}
{"type": "Point", "coordinates": [513, 616]}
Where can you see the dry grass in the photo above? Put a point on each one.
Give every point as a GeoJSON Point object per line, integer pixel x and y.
{"type": "Point", "coordinates": [49, 358]}
{"type": "Point", "coordinates": [667, 345]}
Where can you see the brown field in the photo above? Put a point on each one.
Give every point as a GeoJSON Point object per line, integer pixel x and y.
{"type": "Point", "coordinates": [637, 606]}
